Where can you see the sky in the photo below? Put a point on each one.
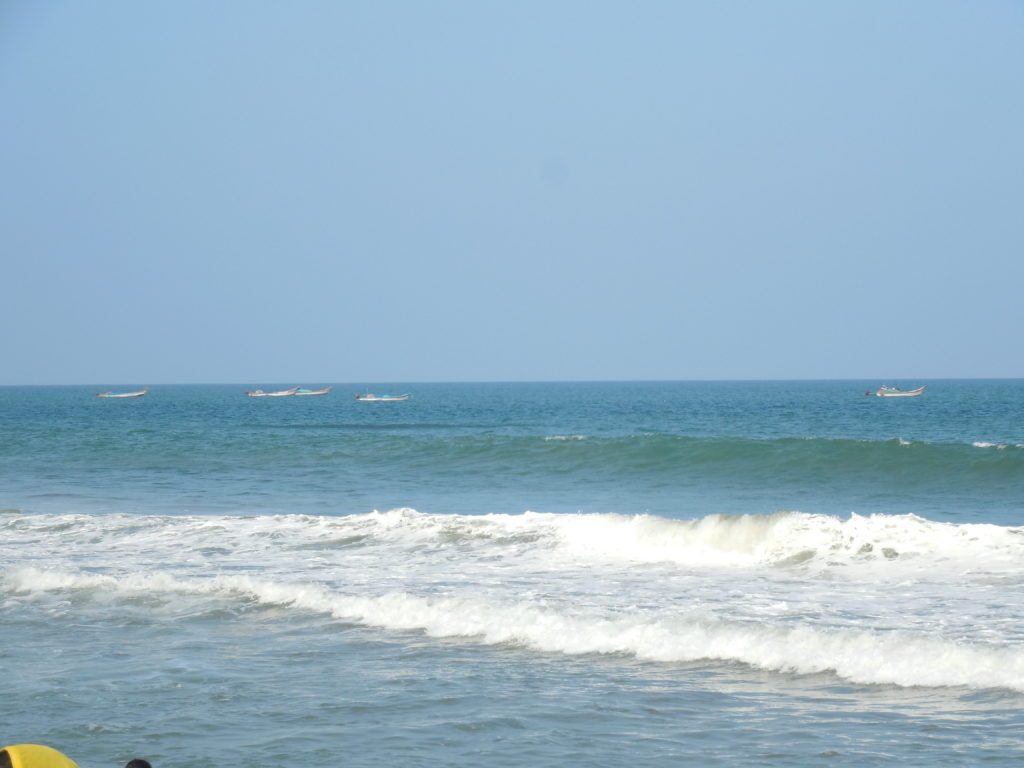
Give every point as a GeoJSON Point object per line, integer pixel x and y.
{"type": "Point", "coordinates": [259, 192]}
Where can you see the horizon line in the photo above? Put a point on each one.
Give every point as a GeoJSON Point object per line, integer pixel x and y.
{"type": "Point", "coordinates": [520, 381]}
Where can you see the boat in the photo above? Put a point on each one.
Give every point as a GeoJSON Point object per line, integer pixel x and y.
{"type": "Point", "coordinates": [372, 398]}
{"type": "Point", "coordinates": [140, 393]}
{"type": "Point", "coordinates": [281, 393]}
{"type": "Point", "coordinates": [886, 391]}
{"type": "Point", "coordinates": [323, 391]}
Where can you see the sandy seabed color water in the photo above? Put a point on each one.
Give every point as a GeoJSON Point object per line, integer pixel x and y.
{"type": "Point", "coordinates": [755, 573]}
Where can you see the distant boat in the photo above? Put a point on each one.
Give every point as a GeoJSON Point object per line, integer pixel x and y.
{"type": "Point", "coordinates": [885, 391]}
{"type": "Point", "coordinates": [370, 397]}
{"type": "Point", "coordinates": [140, 393]}
{"type": "Point", "coordinates": [323, 391]}
{"type": "Point", "coordinates": [281, 393]}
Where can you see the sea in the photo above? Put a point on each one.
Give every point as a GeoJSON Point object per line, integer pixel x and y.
{"type": "Point", "coordinates": [522, 574]}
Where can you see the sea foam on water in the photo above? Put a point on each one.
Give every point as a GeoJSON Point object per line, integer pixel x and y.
{"type": "Point", "coordinates": [871, 600]}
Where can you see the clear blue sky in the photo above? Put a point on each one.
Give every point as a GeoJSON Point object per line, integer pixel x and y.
{"type": "Point", "coordinates": [318, 191]}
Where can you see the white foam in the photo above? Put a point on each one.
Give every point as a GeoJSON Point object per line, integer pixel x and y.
{"type": "Point", "coordinates": [712, 541]}
{"type": "Point", "coordinates": [866, 656]}
{"type": "Point", "coordinates": [879, 599]}
{"type": "Point", "coordinates": [787, 537]}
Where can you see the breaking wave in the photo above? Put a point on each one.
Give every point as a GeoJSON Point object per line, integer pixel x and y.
{"type": "Point", "coordinates": [874, 600]}
{"type": "Point", "coordinates": [863, 656]}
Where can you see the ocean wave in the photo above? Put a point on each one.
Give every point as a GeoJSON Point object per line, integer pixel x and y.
{"type": "Point", "coordinates": [863, 656]}
{"type": "Point", "coordinates": [899, 463]}
{"type": "Point", "coordinates": [783, 539]}
{"type": "Point", "coordinates": [788, 539]}
{"type": "Point", "coordinates": [880, 599]}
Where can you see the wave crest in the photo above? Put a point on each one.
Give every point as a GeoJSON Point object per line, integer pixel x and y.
{"type": "Point", "coordinates": [864, 656]}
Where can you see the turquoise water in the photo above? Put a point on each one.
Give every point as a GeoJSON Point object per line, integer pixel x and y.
{"type": "Point", "coordinates": [722, 573]}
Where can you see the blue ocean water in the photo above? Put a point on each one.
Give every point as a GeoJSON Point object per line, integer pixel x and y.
{"type": "Point", "coordinates": [570, 574]}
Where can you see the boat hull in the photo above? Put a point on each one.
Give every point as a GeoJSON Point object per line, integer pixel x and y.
{"type": "Point", "coordinates": [281, 393]}
{"type": "Point", "coordinates": [116, 395]}
{"type": "Point", "coordinates": [310, 392]}
{"type": "Point", "coordinates": [883, 392]}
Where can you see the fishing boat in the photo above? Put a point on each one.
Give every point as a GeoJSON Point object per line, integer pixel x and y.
{"type": "Point", "coordinates": [369, 397]}
{"type": "Point", "coordinates": [281, 393]}
{"type": "Point", "coordinates": [323, 391]}
{"type": "Point", "coordinates": [886, 391]}
{"type": "Point", "coordinates": [140, 393]}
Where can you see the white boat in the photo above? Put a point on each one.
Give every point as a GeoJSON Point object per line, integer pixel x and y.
{"type": "Point", "coordinates": [140, 393]}
{"type": "Point", "coordinates": [885, 391]}
{"type": "Point", "coordinates": [281, 393]}
{"type": "Point", "coordinates": [372, 398]}
{"type": "Point", "coordinates": [323, 391]}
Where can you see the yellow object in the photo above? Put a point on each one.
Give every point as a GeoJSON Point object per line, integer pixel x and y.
{"type": "Point", "coordinates": [37, 756]}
